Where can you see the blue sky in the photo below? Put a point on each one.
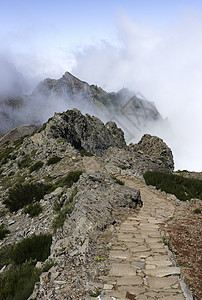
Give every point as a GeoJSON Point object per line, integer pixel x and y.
{"type": "Point", "coordinates": [54, 30]}
{"type": "Point", "coordinates": [151, 46]}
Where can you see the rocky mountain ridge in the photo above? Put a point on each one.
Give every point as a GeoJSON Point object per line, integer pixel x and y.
{"type": "Point", "coordinates": [130, 110]}
{"type": "Point", "coordinates": [71, 145]}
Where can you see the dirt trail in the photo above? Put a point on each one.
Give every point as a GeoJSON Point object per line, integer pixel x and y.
{"type": "Point", "coordinates": [91, 164]}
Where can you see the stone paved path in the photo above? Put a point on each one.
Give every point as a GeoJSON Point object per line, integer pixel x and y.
{"type": "Point", "coordinates": [141, 266]}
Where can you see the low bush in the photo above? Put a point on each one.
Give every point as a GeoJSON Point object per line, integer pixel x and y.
{"type": "Point", "coordinates": [64, 212]}
{"type": "Point", "coordinates": [19, 142]}
{"type": "Point", "coordinates": [197, 211]}
{"type": "Point", "coordinates": [36, 248]}
{"type": "Point", "coordinates": [3, 212]}
{"type": "Point", "coordinates": [33, 209]}
{"type": "Point", "coordinates": [23, 194]}
{"type": "Point", "coordinates": [3, 231]}
{"type": "Point", "coordinates": [12, 173]}
{"type": "Point", "coordinates": [183, 188]}
{"type": "Point", "coordinates": [53, 160]}
{"type": "Point", "coordinates": [85, 153]}
{"type": "Point", "coordinates": [48, 264]}
{"type": "Point", "coordinates": [36, 166]}
{"type": "Point", "coordinates": [18, 282]}
{"type": "Point", "coordinates": [68, 180]}
{"type": "Point", "coordinates": [25, 162]}
{"type": "Point", "coordinates": [5, 255]}
{"type": "Point", "coordinates": [117, 180]}
{"type": "Point", "coordinates": [5, 155]}
{"type": "Point", "coordinates": [33, 152]}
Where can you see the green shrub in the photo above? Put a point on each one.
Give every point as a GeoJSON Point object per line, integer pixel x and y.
{"type": "Point", "coordinates": [53, 160]}
{"type": "Point", "coordinates": [33, 152]}
{"type": "Point", "coordinates": [33, 209]}
{"type": "Point", "coordinates": [3, 212]}
{"type": "Point", "coordinates": [5, 155]}
{"type": "Point", "coordinates": [68, 180]}
{"type": "Point", "coordinates": [183, 188]}
{"type": "Point", "coordinates": [24, 163]}
{"type": "Point", "coordinates": [68, 208]}
{"type": "Point", "coordinates": [43, 127]}
{"type": "Point", "coordinates": [48, 265]}
{"type": "Point", "coordinates": [11, 173]}
{"type": "Point", "coordinates": [36, 247]}
{"type": "Point", "coordinates": [18, 282]}
{"type": "Point", "coordinates": [3, 231]}
{"type": "Point", "coordinates": [19, 142]}
{"type": "Point", "coordinates": [117, 180]}
{"type": "Point", "coordinates": [122, 167]}
{"type": "Point", "coordinates": [36, 166]}
{"type": "Point", "coordinates": [48, 178]}
{"type": "Point", "coordinates": [5, 255]}
{"type": "Point", "coordinates": [13, 156]}
{"type": "Point", "coordinates": [197, 211]}
{"type": "Point", "coordinates": [85, 153]}
{"type": "Point", "coordinates": [23, 194]}
{"type": "Point", "coordinates": [60, 140]}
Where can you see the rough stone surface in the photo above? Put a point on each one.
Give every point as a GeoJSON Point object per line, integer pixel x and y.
{"type": "Point", "coordinates": [125, 161]}
{"type": "Point", "coordinates": [155, 147]}
{"type": "Point", "coordinates": [85, 132]}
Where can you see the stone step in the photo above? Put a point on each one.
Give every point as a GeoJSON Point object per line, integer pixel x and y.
{"type": "Point", "coordinates": [163, 271]}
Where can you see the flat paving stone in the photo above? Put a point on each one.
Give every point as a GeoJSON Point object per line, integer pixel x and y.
{"type": "Point", "coordinates": [160, 263]}
{"type": "Point", "coordinates": [173, 297]}
{"type": "Point", "coordinates": [161, 283]}
{"type": "Point", "coordinates": [120, 254]}
{"type": "Point", "coordinates": [162, 272]}
{"type": "Point", "coordinates": [122, 270]}
{"type": "Point", "coordinates": [132, 280]}
{"type": "Point", "coordinates": [139, 249]}
{"type": "Point", "coordinates": [132, 289]}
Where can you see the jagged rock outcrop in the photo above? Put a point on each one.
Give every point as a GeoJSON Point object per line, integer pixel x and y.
{"type": "Point", "coordinates": [67, 86]}
{"type": "Point", "coordinates": [154, 147]}
{"type": "Point", "coordinates": [85, 132]}
{"type": "Point", "coordinates": [120, 161]}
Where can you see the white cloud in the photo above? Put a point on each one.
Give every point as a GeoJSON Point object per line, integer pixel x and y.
{"type": "Point", "coordinates": [166, 66]}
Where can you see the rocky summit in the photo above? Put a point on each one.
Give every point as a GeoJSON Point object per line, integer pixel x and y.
{"type": "Point", "coordinates": [63, 180]}
{"type": "Point", "coordinates": [130, 110]}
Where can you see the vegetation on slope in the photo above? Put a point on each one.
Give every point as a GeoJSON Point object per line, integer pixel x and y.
{"type": "Point", "coordinates": [17, 282]}
{"type": "Point", "coordinates": [183, 188]}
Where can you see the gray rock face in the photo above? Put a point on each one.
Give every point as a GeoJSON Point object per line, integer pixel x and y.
{"type": "Point", "coordinates": [85, 132]}
{"type": "Point", "coordinates": [118, 161]}
{"type": "Point", "coordinates": [67, 86]}
{"type": "Point", "coordinates": [154, 147]}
